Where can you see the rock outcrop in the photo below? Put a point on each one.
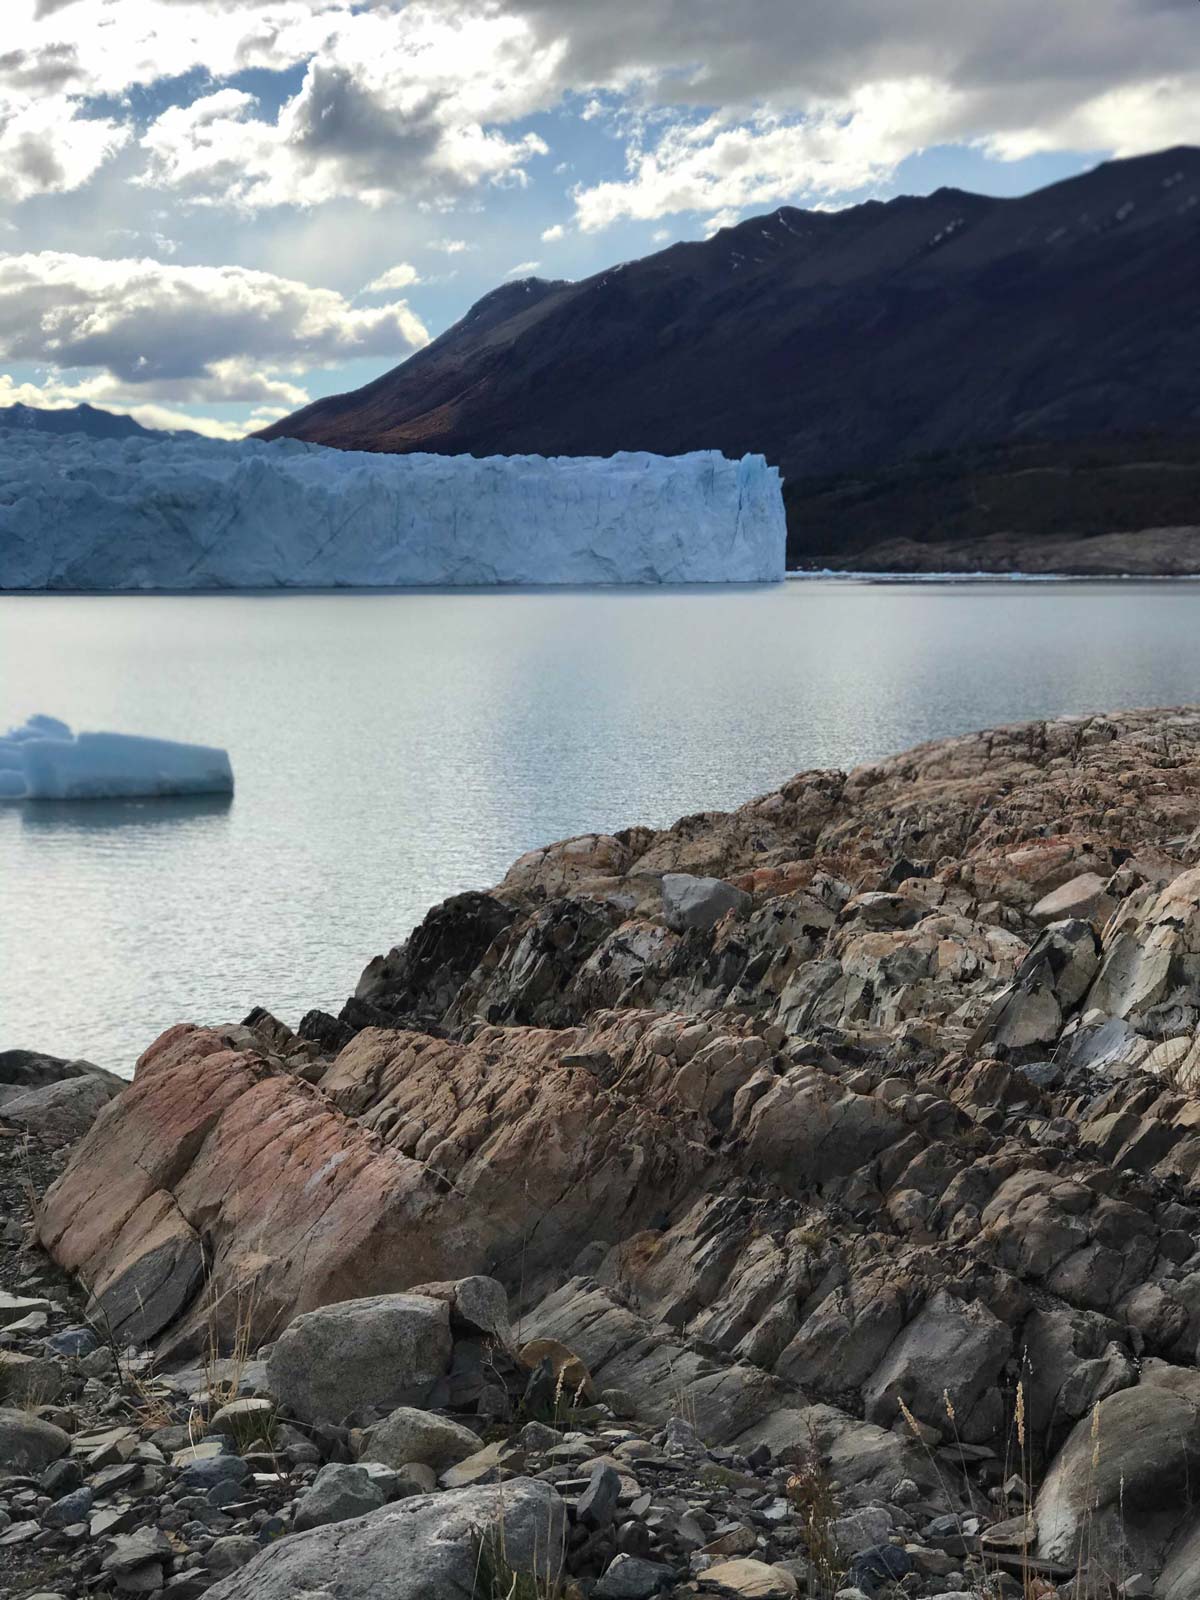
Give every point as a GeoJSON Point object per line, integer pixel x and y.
{"type": "Point", "coordinates": [892, 1148]}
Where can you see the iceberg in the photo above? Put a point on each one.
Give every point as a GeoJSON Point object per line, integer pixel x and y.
{"type": "Point", "coordinates": [44, 760]}
{"type": "Point", "coordinates": [189, 513]}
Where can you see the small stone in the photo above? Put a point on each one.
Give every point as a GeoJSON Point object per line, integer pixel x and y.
{"type": "Point", "coordinates": [598, 1501]}
{"type": "Point", "coordinates": [538, 1437]}
{"type": "Point", "coordinates": [73, 1507]}
{"type": "Point", "coordinates": [631, 1578]}
{"type": "Point", "coordinates": [112, 1520]}
{"type": "Point", "coordinates": [488, 1465]}
{"type": "Point", "coordinates": [146, 1579]}
{"type": "Point", "coordinates": [72, 1342]}
{"type": "Point", "coordinates": [203, 1474]}
{"type": "Point", "coordinates": [20, 1533]}
{"type": "Point", "coordinates": [407, 1434]}
{"type": "Point", "coordinates": [224, 1493]}
{"type": "Point", "coordinates": [338, 1493]}
{"type": "Point", "coordinates": [113, 1479]}
{"type": "Point", "coordinates": [749, 1580]}
{"type": "Point", "coordinates": [226, 1555]}
{"type": "Point", "coordinates": [14, 1306]}
{"type": "Point", "coordinates": [241, 1417]}
{"type": "Point", "coordinates": [60, 1477]}
{"type": "Point", "coordinates": [132, 1550]}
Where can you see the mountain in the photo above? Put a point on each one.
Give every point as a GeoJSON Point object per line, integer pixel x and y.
{"type": "Point", "coordinates": [841, 344]}
{"type": "Point", "coordinates": [85, 419]}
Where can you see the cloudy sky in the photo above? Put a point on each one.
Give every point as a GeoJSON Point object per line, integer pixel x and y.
{"type": "Point", "coordinates": [212, 211]}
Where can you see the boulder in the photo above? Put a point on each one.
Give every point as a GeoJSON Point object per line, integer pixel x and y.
{"type": "Point", "coordinates": [61, 1112]}
{"type": "Point", "coordinates": [951, 1354]}
{"type": "Point", "coordinates": [633, 1578]}
{"type": "Point", "coordinates": [1124, 1483]}
{"type": "Point", "coordinates": [477, 1306]}
{"type": "Point", "coordinates": [1149, 954]}
{"type": "Point", "coordinates": [338, 1493]}
{"type": "Point", "coordinates": [24, 1070]}
{"type": "Point", "coordinates": [27, 1444]}
{"type": "Point", "coordinates": [385, 1350]}
{"type": "Point", "coordinates": [410, 1436]}
{"type": "Point", "coordinates": [1081, 897]}
{"type": "Point", "coordinates": [690, 902]}
{"type": "Point", "coordinates": [426, 1548]}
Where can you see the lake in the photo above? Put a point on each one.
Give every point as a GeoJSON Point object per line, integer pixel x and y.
{"type": "Point", "coordinates": [390, 749]}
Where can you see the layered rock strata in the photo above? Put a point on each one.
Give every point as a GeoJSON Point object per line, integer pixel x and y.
{"type": "Point", "coordinates": [899, 1135]}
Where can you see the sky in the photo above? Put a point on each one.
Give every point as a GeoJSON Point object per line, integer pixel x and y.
{"type": "Point", "coordinates": [213, 211]}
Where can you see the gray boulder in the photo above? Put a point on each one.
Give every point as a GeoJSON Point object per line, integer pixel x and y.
{"type": "Point", "coordinates": [28, 1445]}
{"type": "Point", "coordinates": [410, 1436]}
{"type": "Point", "coordinates": [690, 902]}
{"type": "Point", "coordinates": [1122, 1485]}
{"type": "Point", "coordinates": [61, 1112]}
{"type": "Point", "coordinates": [950, 1349]}
{"type": "Point", "coordinates": [477, 1305]}
{"type": "Point", "coordinates": [386, 1350]}
{"type": "Point", "coordinates": [338, 1493]}
{"type": "Point", "coordinates": [426, 1548]}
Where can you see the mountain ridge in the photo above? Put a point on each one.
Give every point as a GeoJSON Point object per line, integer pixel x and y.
{"type": "Point", "coordinates": [834, 342]}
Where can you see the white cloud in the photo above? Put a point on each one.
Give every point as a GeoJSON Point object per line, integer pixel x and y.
{"type": "Point", "coordinates": [554, 235]}
{"type": "Point", "coordinates": [423, 100]}
{"type": "Point", "coordinates": [451, 247]}
{"type": "Point", "coordinates": [523, 269]}
{"type": "Point", "coordinates": [46, 147]}
{"type": "Point", "coordinates": [181, 335]}
{"type": "Point", "coordinates": [402, 276]}
{"type": "Point", "coordinates": [728, 167]}
{"type": "Point", "coordinates": [406, 103]}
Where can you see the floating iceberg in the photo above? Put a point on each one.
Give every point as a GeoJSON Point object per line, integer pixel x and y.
{"type": "Point", "coordinates": [103, 514]}
{"type": "Point", "coordinates": [44, 760]}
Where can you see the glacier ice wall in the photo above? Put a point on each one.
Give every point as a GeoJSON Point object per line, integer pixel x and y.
{"type": "Point", "coordinates": [44, 760]}
{"type": "Point", "coordinates": [89, 514]}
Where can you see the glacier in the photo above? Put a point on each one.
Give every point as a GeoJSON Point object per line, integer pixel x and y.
{"type": "Point", "coordinates": [80, 514]}
{"type": "Point", "coordinates": [44, 760]}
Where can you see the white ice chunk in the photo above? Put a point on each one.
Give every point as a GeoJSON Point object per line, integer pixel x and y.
{"type": "Point", "coordinates": [44, 760]}
{"type": "Point", "coordinates": [101, 514]}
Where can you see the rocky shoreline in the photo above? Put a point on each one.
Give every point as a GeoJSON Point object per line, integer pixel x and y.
{"type": "Point", "coordinates": [1142, 553]}
{"type": "Point", "coordinates": [794, 1201]}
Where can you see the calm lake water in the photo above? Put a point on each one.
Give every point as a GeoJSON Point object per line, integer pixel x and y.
{"type": "Point", "coordinates": [391, 749]}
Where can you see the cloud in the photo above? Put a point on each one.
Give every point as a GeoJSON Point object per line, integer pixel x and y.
{"type": "Point", "coordinates": [523, 269]}
{"type": "Point", "coordinates": [47, 147]}
{"type": "Point", "coordinates": [554, 235]}
{"type": "Point", "coordinates": [727, 167]}
{"type": "Point", "coordinates": [186, 334]}
{"type": "Point", "coordinates": [425, 100]}
{"type": "Point", "coordinates": [402, 276]}
{"type": "Point", "coordinates": [401, 104]}
{"type": "Point", "coordinates": [451, 247]}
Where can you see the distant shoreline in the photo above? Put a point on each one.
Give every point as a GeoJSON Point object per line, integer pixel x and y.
{"type": "Point", "coordinates": [849, 575]}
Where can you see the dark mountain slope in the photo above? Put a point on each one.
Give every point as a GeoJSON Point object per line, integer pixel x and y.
{"type": "Point", "coordinates": [836, 343]}
{"type": "Point", "coordinates": [96, 424]}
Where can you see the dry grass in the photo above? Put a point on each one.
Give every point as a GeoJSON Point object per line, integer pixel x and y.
{"type": "Point", "coordinates": [811, 1495]}
{"type": "Point", "coordinates": [495, 1576]}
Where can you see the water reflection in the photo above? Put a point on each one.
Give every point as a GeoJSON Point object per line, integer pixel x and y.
{"type": "Point", "coordinates": [105, 816]}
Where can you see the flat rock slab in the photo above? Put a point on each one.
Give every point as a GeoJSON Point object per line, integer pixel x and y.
{"type": "Point", "coordinates": [15, 1306]}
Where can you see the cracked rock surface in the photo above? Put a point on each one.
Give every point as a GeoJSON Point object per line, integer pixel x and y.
{"type": "Point", "coordinates": [890, 1153]}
